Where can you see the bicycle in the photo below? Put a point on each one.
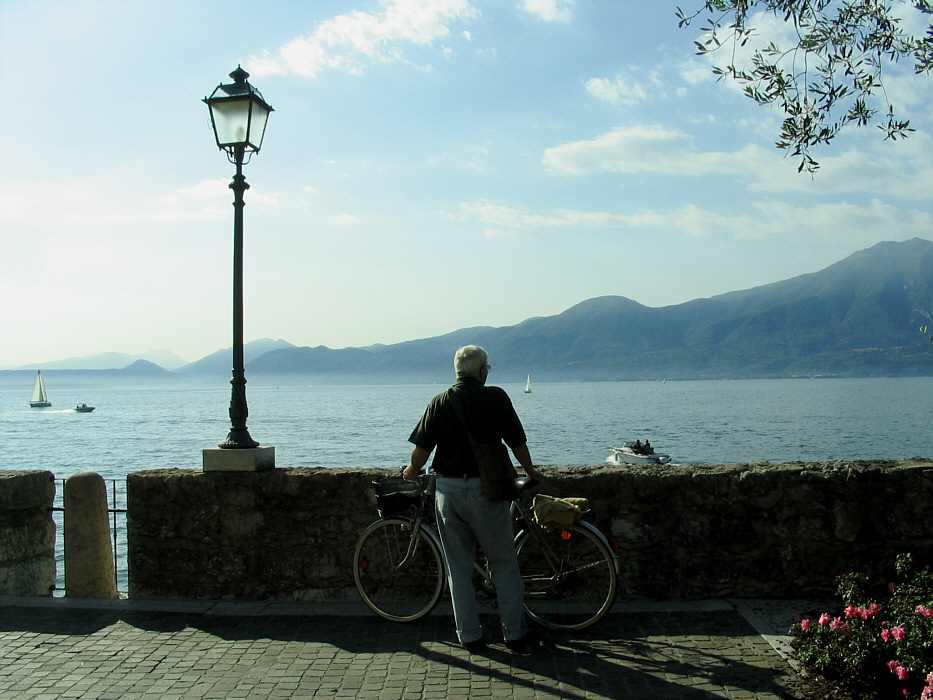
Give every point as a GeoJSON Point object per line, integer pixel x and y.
{"type": "Point", "coordinates": [570, 573]}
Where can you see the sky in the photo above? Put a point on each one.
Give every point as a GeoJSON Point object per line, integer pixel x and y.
{"type": "Point", "coordinates": [430, 165]}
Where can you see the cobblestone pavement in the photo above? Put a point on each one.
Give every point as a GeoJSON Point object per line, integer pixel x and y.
{"type": "Point", "coordinates": [63, 649]}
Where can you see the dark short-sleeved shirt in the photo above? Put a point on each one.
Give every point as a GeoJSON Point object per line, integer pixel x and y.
{"type": "Point", "coordinates": [489, 414]}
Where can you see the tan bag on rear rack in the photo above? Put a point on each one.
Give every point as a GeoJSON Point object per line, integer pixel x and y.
{"type": "Point", "coordinates": [553, 513]}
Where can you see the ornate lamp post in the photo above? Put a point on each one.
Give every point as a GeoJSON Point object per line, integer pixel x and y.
{"type": "Point", "coordinates": [238, 114]}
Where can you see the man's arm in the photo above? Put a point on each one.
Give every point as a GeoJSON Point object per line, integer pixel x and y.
{"type": "Point", "coordinates": [524, 459]}
{"type": "Point", "coordinates": [419, 457]}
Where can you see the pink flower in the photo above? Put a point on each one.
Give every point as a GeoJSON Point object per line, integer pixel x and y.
{"type": "Point", "coordinates": [885, 635]}
{"type": "Point", "coordinates": [898, 670]}
{"type": "Point", "coordinates": [928, 691]}
{"type": "Point", "coordinates": [898, 633]}
{"type": "Point", "coordinates": [862, 613]}
{"type": "Point", "coordinates": [824, 618]}
{"type": "Point", "coordinates": [838, 625]}
{"type": "Point", "coordinates": [805, 625]}
{"type": "Point", "coordinates": [924, 611]}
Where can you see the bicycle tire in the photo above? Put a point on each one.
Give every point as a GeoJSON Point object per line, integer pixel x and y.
{"type": "Point", "coordinates": [572, 584]}
{"type": "Point", "coordinates": [398, 594]}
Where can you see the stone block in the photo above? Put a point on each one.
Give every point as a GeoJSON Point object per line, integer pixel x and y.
{"type": "Point", "coordinates": [27, 533]}
{"type": "Point", "coordinates": [21, 490]}
{"type": "Point", "coordinates": [254, 459]}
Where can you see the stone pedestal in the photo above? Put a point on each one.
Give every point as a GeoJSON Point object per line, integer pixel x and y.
{"type": "Point", "coordinates": [250, 459]}
{"type": "Point", "coordinates": [89, 568]}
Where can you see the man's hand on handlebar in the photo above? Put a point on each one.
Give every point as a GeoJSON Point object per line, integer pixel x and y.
{"type": "Point", "coordinates": [534, 475]}
{"type": "Point", "coordinates": [411, 473]}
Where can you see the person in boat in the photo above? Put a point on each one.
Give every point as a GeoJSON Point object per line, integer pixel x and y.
{"type": "Point", "coordinates": [465, 517]}
{"type": "Point", "coordinates": [647, 448]}
{"type": "Point", "coordinates": [636, 448]}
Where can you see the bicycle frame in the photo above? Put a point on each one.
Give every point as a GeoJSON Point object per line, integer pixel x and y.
{"type": "Point", "coordinates": [521, 516]}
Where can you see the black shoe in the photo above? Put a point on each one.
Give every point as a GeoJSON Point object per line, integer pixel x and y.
{"type": "Point", "coordinates": [523, 645]}
{"type": "Point", "coordinates": [477, 646]}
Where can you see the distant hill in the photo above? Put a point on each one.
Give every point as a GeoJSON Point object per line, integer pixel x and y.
{"type": "Point", "coordinates": [859, 317]}
{"type": "Point", "coordinates": [222, 360]}
{"type": "Point", "coordinates": [144, 368]}
{"type": "Point", "coordinates": [114, 360]}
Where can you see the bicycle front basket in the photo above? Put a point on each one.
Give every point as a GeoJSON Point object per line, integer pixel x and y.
{"type": "Point", "coordinates": [396, 496]}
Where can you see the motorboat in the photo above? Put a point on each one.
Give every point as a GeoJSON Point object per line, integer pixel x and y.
{"type": "Point", "coordinates": [628, 454]}
{"type": "Point", "coordinates": [84, 408]}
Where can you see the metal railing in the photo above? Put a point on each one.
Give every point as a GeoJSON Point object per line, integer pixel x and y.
{"type": "Point", "coordinates": [115, 531]}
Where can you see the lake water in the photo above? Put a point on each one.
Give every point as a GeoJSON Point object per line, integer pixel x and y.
{"type": "Point", "coordinates": [719, 422]}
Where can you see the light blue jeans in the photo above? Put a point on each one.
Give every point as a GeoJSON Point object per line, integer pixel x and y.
{"type": "Point", "coordinates": [465, 519]}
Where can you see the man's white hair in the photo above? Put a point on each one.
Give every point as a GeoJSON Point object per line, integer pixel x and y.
{"type": "Point", "coordinates": [469, 360]}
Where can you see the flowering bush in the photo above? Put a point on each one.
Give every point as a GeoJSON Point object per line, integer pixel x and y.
{"type": "Point", "coordinates": [880, 645]}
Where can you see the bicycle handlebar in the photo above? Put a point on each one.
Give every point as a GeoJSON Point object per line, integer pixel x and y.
{"type": "Point", "coordinates": [526, 483]}
{"type": "Point", "coordinates": [522, 483]}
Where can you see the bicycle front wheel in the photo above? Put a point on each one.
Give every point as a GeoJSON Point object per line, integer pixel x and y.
{"type": "Point", "coordinates": [569, 575]}
{"type": "Point", "coordinates": [399, 576]}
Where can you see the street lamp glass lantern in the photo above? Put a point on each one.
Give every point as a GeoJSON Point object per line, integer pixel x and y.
{"type": "Point", "coordinates": [238, 114]}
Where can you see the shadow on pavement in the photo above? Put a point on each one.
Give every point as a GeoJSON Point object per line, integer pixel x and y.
{"type": "Point", "coordinates": [696, 654]}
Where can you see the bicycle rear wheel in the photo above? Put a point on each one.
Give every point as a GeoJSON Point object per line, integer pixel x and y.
{"type": "Point", "coordinates": [570, 576]}
{"type": "Point", "coordinates": [400, 577]}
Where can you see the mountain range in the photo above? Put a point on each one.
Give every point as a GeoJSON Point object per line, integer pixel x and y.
{"type": "Point", "coordinates": [858, 317]}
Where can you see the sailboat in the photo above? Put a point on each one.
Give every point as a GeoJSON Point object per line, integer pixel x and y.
{"type": "Point", "coordinates": [39, 398]}
{"type": "Point", "coordinates": [528, 385]}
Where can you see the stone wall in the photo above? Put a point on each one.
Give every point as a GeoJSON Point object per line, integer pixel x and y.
{"type": "Point", "coordinates": [752, 530]}
{"type": "Point", "coordinates": [27, 533]}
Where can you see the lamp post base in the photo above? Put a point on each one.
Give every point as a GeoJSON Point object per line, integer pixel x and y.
{"type": "Point", "coordinates": [253, 459]}
{"type": "Point", "coordinates": [238, 439]}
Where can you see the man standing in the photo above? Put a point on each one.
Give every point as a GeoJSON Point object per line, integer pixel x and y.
{"type": "Point", "coordinates": [465, 517]}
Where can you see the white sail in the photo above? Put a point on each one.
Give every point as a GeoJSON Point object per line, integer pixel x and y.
{"type": "Point", "coordinates": [528, 385]}
{"type": "Point", "coordinates": [39, 398]}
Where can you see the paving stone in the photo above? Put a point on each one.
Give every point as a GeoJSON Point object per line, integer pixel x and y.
{"type": "Point", "coordinates": [74, 653]}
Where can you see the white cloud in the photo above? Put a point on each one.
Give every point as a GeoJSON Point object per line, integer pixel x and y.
{"type": "Point", "coordinates": [341, 220]}
{"type": "Point", "coordinates": [690, 220]}
{"type": "Point", "coordinates": [550, 10]}
{"type": "Point", "coordinates": [858, 224]}
{"type": "Point", "coordinates": [84, 204]}
{"type": "Point", "coordinates": [694, 72]}
{"type": "Point", "coordinates": [647, 149]}
{"type": "Point", "coordinates": [351, 41]}
{"type": "Point", "coordinates": [901, 169]}
{"type": "Point", "coordinates": [622, 90]}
